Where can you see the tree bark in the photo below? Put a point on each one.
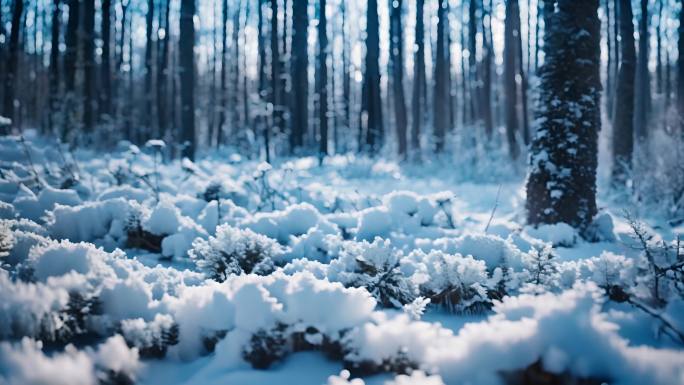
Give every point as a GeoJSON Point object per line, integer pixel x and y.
{"type": "Point", "coordinates": [510, 71]}
{"type": "Point", "coordinates": [643, 83]}
{"type": "Point", "coordinates": [561, 186]}
{"type": "Point", "coordinates": [371, 103]}
{"type": "Point", "coordinates": [397, 66]}
{"type": "Point", "coordinates": [322, 78]}
{"type": "Point", "coordinates": [623, 129]}
{"type": "Point", "coordinates": [106, 69]}
{"type": "Point", "coordinates": [89, 99]}
{"type": "Point", "coordinates": [12, 61]}
{"type": "Point", "coordinates": [300, 80]}
{"type": "Point", "coordinates": [54, 65]}
{"type": "Point", "coordinates": [418, 79]}
{"type": "Point", "coordinates": [441, 90]}
{"type": "Point", "coordinates": [187, 77]}
{"type": "Point", "coordinates": [149, 31]}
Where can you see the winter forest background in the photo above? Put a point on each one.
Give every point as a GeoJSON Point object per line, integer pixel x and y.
{"type": "Point", "coordinates": [341, 192]}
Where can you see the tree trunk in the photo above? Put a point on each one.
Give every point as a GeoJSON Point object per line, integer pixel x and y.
{"type": "Point", "coordinates": [346, 77]}
{"type": "Point", "coordinates": [322, 77]}
{"type": "Point", "coordinates": [623, 129]}
{"type": "Point", "coordinates": [300, 81]}
{"type": "Point", "coordinates": [12, 60]}
{"type": "Point", "coordinates": [510, 71]}
{"type": "Point", "coordinates": [680, 70]}
{"type": "Point", "coordinates": [106, 69]}
{"type": "Point", "coordinates": [224, 72]}
{"type": "Point", "coordinates": [441, 98]}
{"type": "Point", "coordinates": [561, 186]}
{"type": "Point", "coordinates": [54, 65]}
{"type": "Point", "coordinates": [488, 48]}
{"type": "Point", "coordinates": [276, 73]}
{"type": "Point", "coordinates": [149, 31]}
{"type": "Point", "coordinates": [643, 84]}
{"type": "Point", "coordinates": [659, 57]}
{"type": "Point", "coordinates": [371, 104]}
{"type": "Point", "coordinates": [418, 79]}
{"type": "Point", "coordinates": [89, 100]}
{"type": "Point", "coordinates": [397, 65]}
{"type": "Point", "coordinates": [187, 77]}
{"type": "Point", "coordinates": [163, 73]}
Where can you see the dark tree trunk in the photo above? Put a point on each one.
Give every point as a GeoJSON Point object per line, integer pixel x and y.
{"type": "Point", "coordinates": [106, 70]}
{"type": "Point", "coordinates": [510, 71]}
{"type": "Point", "coordinates": [224, 72]}
{"type": "Point", "coordinates": [680, 70]}
{"type": "Point", "coordinates": [12, 60]}
{"type": "Point", "coordinates": [346, 77]}
{"type": "Point", "coordinates": [418, 79]}
{"type": "Point", "coordinates": [473, 73]}
{"type": "Point", "coordinates": [322, 77]}
{"type": "Point", "coordinates": [163, 73]}
{"type": "Point", "coordinates": [54, 65]}
{"type": "Point", "coordinates": [187, 77]}
{"type": "Point", "coordinates": [149, 31]}
{"type": "Point", "coordinates": [643, 83]}
{"type": "Point", "coordinates": [300, 81]}
{"type": "Point", "coordinates": [89, 99]}
{"type": "Point", "coordinates": [487, 73]}
{"type": "Point", "coordinates": [397, 65]}
{"type": "Point", "coordinates": [623, 129]}
{"type": "Point", "coordinates": [276, 72]}
{"type": "Point", "coordinates": [561, 186]}
{"type": "Point", "coordinates": [659, 57]}
{"type": "Point", "coordinates": [371, 104]}
{"type": "Point", "coordinates": [609, 63]}
{"type": "Point", "coordinates": [523, 85]}
{"type": "Point", "coordinates": [441, 98]}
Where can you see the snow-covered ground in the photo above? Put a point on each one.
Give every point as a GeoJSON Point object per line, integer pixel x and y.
{"type": "Point", "coordinates": [120, 267]}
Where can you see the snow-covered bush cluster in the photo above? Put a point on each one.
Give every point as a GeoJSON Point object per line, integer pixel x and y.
{"type": "Point", "coordinates": [248, 265]}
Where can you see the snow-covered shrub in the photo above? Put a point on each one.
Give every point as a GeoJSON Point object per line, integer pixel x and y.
{"type": "Point", "coordinates": [26, 363]}
{"type": "Point", "coordinates": [541, 266]}
{"type": "Point", "coordinates": [493, 250]}
{"type": "Point", "coordinates": [151, 338]}
{"type": "Point", "coordinates": [454, 282]}
{"type": "Point", "coordinates": [87, 222]}
{"type": "Point", "coordinates": [390, 344]}
{"type": "Point", "coordinates": [601, 228]}
{"type": "Point", "coordinates": [266, 347]}
{"type": "Point", "coordinates": [374, 222]}
{"type": "Point", "coordinates": [315, 245]}
{"type": "Point", "coordinates": [375, 266]}
{"type": "Point", "coordinates": [31, 310]}
{"type": "Point", "coordinates": [558, 234]}
{"type": "Point", "coordinates": [294, 221]}
{"type": "Point", "coordinates": [417, 377]}
{"type": "Point", "coordinates": [234, 251]}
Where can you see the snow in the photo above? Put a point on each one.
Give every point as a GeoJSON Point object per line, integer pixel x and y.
{"type": "Point", "coordinates": [345, 270]}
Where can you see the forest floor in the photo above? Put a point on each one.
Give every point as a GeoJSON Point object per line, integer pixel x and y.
{"type": "Point", "coordinates": [346, 254]}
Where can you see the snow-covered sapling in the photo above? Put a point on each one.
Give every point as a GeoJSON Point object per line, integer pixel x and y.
{"type": "Point", "coordinates": [234, 251]}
